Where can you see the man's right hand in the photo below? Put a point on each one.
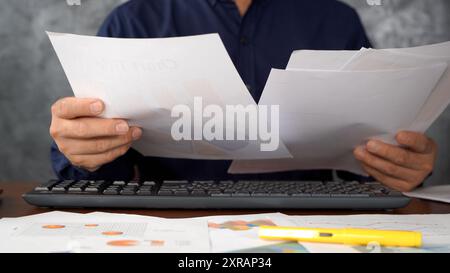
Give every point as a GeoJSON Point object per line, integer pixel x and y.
{"type": "Point", "coordinates": [85, 139]}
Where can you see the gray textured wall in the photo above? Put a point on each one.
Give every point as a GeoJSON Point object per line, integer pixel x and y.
{"type": "Point", "coordinates": [31, 77]}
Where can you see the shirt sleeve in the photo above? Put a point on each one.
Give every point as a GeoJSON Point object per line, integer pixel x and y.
{"type": "Point", "coordinates": [123, 168]}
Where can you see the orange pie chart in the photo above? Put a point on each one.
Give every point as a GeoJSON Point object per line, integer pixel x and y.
{"type": "Point", "coordinates": [53, 226]}
{"type": "Point", "coordinates": [123, 243]}
{"type": "Point", "coordinates": [112, 233]}
{"type": "Point", "coordinates": [157, 243]}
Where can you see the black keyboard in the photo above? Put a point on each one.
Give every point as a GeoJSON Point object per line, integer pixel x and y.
{"type": "Point", "coordinates": [216, 195]}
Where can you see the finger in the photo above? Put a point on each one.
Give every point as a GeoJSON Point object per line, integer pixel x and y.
{"type": "Point", "coordinates": [397, 155]}
{"type": "Point", "coordinates": [391, 182]}
{"type": "Point", "coordinates": [69, 108]}
{"type": "Point", "coordinates": [387, 167]}
{"type": "Point", "coordinates": [99, 145]}
{"type": "Point", "coordinates": [92, 162]}
{"type": "Point", "coordinates": [417, 142]}
{"type": "Point", "coordinates": [91, 128]}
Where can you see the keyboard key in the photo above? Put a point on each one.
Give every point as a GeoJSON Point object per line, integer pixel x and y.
{"type": "Point", "coordinates": [58, 190]}
{"type": "Point", "coordinates": [149, 183]}
{"type": "Point", "coordinates": [338, 195]}
{"type": "Point", "coordinates": [181, 193]}
{"type": "Point", "coordinates": [146, 188]}
{"type": "Point", "coordinates": [260, 194]}
{"type": "Point", "coordinates": [359, 195]}
{"type": "Point", "coordinates": [42, 188]}
{"type": "Point", "coordinates": [80, 184]}
{"type": "Point", "coordinates": [395, 193]}
{"type": "Point", "coordinates": [130, 188]}
{"type": "Point", "coordinates": [144, 193]}
{"type": "Point", "coordinates": [126, 192]}
{"type": "Point", "coordinates": [91, 189]}
{"type": "Point", "coordinates": [97, 183]}
{"type": "Point", "coordinates": [207, 184]}
{"type": "Point", "coordinates": [47, 186]}
{"type": "Point", "coordinates": [64, 185]}
{"type": "Point", "coordinates": [75, 190]}
{"type": "Point", "coordinates": [240, 194]}
{"type": "Point", "coordinates": [111, 192]}
{"type": "Point", "coordinates": [119, 183]}
{"type": "Point", "coordinates": [113, 188]}
{"type": "Point", "coordinates": [198, 193]}
{"type": "Point", "coordinates": [279, 194]}
{"type": "Point", "coordinates": [165, 193]}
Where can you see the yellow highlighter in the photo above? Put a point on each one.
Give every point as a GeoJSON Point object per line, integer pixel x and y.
{"type": "Point", "coordinates": [350, 236]}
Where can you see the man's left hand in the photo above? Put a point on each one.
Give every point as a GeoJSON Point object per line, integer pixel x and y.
{"type": "Point", "coordinates": [403, 167]}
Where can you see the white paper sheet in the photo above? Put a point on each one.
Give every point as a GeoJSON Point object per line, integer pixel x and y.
{"type": "Point", "coordinates": [96, 233]}
{"type": "Point", "coordinates": [375, 61]}
{"type": "Point", "coordinates": [320, 59]}
{"type": "Point", "coordinates": [436, 193]}
{"type": "Point", "coordinates": [440, 98]}
{"type": "Point", "coordinates": [323, 117]}
{"type": "Point", "coordinates": [435, 230]}
{"type": "Point", "coordinates": [141, 80]}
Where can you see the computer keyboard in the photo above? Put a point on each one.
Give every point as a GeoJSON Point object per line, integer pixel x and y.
{"type": "Point", "coordinates": [216, 195]}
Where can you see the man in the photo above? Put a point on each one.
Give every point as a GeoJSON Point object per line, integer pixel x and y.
{"type": "Point", "coordinates": [259, 35]}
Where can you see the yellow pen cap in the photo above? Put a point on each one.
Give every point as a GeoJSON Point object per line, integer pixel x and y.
{"type": "Point", "coordinates": [351, 236]}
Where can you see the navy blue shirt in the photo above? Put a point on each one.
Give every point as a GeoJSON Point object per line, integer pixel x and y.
{"type": "Point", "coordinates": [262, 39]}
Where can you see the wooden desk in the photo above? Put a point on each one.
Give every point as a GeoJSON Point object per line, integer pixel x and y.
{"type": "Point", "coordinates": [12, 205]}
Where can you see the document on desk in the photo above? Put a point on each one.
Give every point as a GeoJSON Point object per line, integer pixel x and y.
{"type": "Point", "coordinates": [230, 233]}
{"type": "Point", "coordinates": [239, 233]}
{"type": "Point", "coordinates": [61, 232]}
{"type": "Point", "coordinates": [435, 230]}
{"type": "Point", "coordinates": [329, 110]}
{"type": "Point", "coordinates": [142, 80]}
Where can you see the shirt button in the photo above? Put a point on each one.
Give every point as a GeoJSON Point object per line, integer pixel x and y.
{"type": "Point", "coordinates": [244, 40]}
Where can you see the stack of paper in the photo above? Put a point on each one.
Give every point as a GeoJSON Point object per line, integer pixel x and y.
{"type": "Point", "coordinates": [57, 232]}
{"type": "Point", "coordinates": [329, 101]}
{"type": "Point", "coordinates": [333, 101]}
